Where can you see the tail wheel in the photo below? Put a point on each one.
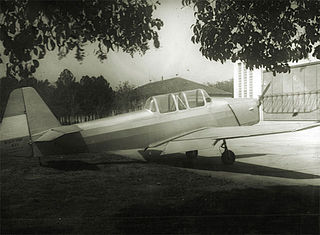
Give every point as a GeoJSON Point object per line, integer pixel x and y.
{"type": "Point", "coordinates": [192, 154]}
{"type": "Point", "coordinates": [228, 157]}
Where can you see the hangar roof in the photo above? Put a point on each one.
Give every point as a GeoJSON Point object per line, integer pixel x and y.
{"type": "Point", "coordinates": [177, 84]}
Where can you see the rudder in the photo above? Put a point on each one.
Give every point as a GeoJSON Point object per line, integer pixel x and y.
{"type": "Point", "coordinates": [39, 116]}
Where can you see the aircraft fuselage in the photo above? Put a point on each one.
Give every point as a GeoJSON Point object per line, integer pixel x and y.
{"type": "Point", "coordinates": [139, 129]}
{"type": "Point", "coordinates": [29, 127]}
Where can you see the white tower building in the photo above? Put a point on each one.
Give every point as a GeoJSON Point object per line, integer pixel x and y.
{"type": "Point", "coordinates": [247, 83]}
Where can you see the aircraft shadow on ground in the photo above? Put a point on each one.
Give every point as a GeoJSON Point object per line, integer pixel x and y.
{"type": "Point", "coordinates": [215, 164]}
{"type": "Point", "coordinates": [179, 160]}
{"type": "Point", "coordinates": [79, 165]}
{"type": "Point", "coordinates": [71, 165]}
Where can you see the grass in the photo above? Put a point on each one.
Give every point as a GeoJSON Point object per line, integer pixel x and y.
{"type": "Point", "coordinates": [97, 195]}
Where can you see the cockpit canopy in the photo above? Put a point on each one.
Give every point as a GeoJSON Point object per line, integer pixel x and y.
{"type": "Point", "coordinates": [178, 101]}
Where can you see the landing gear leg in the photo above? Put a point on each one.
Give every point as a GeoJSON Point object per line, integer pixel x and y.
{"type": "Point", "coordinates": [39, 160]}
{"type": "Point", "coordinates": [228, 157]}
{"type": "Point", "coordinates": [34, 153]}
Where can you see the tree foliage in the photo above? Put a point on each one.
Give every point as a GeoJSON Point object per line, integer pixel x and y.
{"type": "Point", "coordinates": [268, 33]}
{"type": "Point", "coordinates": [6, 86]}
{"type": "Point", "coordinates": [30, 28]}
{"type": "Point", "coordinates": [67, 98]}
{"type": "Point", "coordinates": [95, 96]}
{"type": "Point", "coordinates": [127, 98]}
{"type": "Point", "coordinates": [223, 85]}
{"type": "Point", "coordinates": [66, 94]}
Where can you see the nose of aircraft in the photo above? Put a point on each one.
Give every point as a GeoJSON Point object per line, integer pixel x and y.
{"type": "Point", "coordinates": [246, 110]}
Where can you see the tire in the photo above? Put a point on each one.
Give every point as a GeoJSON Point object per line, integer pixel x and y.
{"type": "Point", "coordinates": [192, 154]}
{"type": "Point", "coordinates": [228, 157]}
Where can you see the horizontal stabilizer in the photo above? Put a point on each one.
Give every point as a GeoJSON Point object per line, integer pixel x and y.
{"type": "Point", "coordinates": [57, 132]}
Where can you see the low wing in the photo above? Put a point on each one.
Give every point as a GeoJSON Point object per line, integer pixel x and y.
{"type": "Point", "coordinates": [203, 138]}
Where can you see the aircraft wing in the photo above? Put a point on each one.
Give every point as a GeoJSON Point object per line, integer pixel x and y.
{"type": "Point", "coordinates": [204, 138]}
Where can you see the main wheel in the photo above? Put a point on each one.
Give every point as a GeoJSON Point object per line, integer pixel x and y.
{"type": "Point", "coordinates": [192, 154]}
{"type": "Point", "coordinates": [228, 157]}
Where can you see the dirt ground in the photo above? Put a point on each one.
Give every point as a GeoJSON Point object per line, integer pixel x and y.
{"type": "Point", "coordinates": [102, 194]}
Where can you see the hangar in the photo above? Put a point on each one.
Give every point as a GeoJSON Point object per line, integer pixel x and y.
{"type": "Point", "coordinates": [177, 84]}
{"type": "Point", "coordinates": [292, 96]}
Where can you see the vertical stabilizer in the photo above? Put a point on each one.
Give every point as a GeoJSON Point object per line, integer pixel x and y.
{"type": "Point", "coordinates": [26, 114]}
{"type": "Point", "coordinates": [39, 116]}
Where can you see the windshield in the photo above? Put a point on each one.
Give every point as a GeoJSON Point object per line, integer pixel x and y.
{"type": "Point", "coordinates": [207, 97]}
{"type": "Point", "coordinates": [195, 98]}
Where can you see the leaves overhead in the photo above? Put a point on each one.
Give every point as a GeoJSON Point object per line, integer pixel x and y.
{"type": "Point", "coordinates": [264, 33]}
{"type": "Point", "coordinates": [30, 28]}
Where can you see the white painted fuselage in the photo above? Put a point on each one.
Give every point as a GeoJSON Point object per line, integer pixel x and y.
{"type": "Point", "coordinates": [29, 130]}
{"type": "Point", "coordinates": [137, 130]}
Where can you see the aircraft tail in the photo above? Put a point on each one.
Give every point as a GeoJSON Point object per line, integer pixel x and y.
{"type": "Point", "coordinates": [26, 115]}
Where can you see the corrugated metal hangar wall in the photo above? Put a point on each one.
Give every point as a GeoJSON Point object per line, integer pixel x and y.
{"type": "Point", "coordinates": [295, 92]}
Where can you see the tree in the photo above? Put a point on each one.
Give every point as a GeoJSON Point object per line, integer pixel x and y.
{"type": "Point", "coordinates": [265, 33]}
{"type": "Point", "coordinates": [6, 86]}
{"type": "Point", "coordinates": [126, 98]}
{"type": "Point", "coordinates": [65, 94]}
{"type": "Point", "coordinates": [30, 28]}
{"type": "Point", "coordinates": [223, 85]}
{"type": "Point", "coordinates": [95, 96]}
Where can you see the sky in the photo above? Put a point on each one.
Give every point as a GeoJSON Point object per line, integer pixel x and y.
{"type": "Point", "coordinates": [177, 56]}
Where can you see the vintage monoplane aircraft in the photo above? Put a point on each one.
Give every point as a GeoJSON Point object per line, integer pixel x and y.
{"type": "Point", "coordinates": [179, 122]}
